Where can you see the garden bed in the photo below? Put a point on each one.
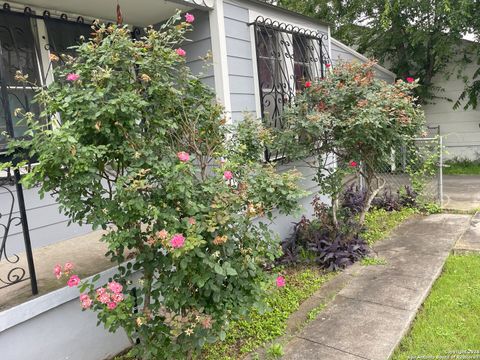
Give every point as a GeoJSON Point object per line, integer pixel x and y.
{"type": "Point", "coordinates": [302, 282]}
{"type": "Point", "coordinates": [262, 333]}
{"type": "Point", "coordinates": [448, 324]}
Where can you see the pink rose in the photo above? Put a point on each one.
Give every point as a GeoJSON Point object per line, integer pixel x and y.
{"type": "Point", "coordinates": [183, 156]}
{"type": "Point", "coordinates": [57, 271]}
{"type": "Point", "coordinates": [104, 298]}
{"type": "Point", "coordinates": [181, 52]}
{"type": "Point", "coordinates": [115, 287]}
{"type": "Point", "coordinates": [352, 163]}
{"type": "Point", "coordinates": [85, 301]}
{"type": "Point", "coordinates": [73, 281]}
{"type": "Point", "coordinates": [111, 305]}
{"type": "Point", "coordinates": [228, 175]}
{"type": "Point", "coordinates": [308, 84]}
{"type": "Point", "coordinates": [178, 240]}
{"type": "Point", "coordinates": [73, 77]}
{"type": "Point", "coordinates": [68, 267]}
{"type": "Point", "coordinates": [117, 298]}
{"type": "Point", "coordinates": [101, 291]}
{"type": "Point", "coordinates": [327, 65]}
{"type": "Point", "coordinates": [410, 80]}
{"type": "Point", "coordinates": [280, 281]}
{"type": "Point", "coordinates": [189, 18]}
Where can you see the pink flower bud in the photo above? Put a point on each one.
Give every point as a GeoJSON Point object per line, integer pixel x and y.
{"type": "Point", "coordinates": [181, 52]}
{"type": "Point", "coordinates": [189, 18]}
{"type": "Point", "coordinates": [73, 77]}
{"type": "Point", "coordinates": [410, 80]}
{"type": "Point", "coordinates": [73, 281]}
{"type": "Point", "coordinates": [111, 305]}
{"type": "Point", "coordinates": [178, 240]}
{"type": "Point", "coordinates": [227, 175]}
{"type": "Point", "coordinates": [57, 271]}
{"type": "Point", "coordinates": [68, 267]}
{"type": "Point", "coordinates": [183, 156]}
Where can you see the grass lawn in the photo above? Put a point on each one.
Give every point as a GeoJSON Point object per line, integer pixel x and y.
{"type": "Point", "coordinates": [462, 167]}
{"type": "Point", "coordinates": [449, 321]}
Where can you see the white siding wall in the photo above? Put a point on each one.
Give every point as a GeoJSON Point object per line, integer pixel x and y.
{"type": "Point", "coordinates": [198, 46]}
{"type": "Point", "coordinates": [47, 224]}
{"type": "Point", "coordinates": [460, 128]}
{"type": "Point", "coordinates": [239, 57]}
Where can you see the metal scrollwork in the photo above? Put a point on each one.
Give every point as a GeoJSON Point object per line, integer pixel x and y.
{"type": "Point", "coordinates": [16, 274]}
{"type": "Point", "coordinates": [287, 56]}
{"type": "Point", "coordinates": [203, 3]}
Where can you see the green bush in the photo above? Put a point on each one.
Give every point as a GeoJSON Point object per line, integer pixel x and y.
{"type": "Point", "coordinates": [143, 152]}
{"type": "Point", "coordinates": [354, 118]}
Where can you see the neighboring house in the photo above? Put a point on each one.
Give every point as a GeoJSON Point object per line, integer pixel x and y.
{"type": "Point", "coordinates": [260, 56]}
{"type": "Point", "coordinates": [460, 128]}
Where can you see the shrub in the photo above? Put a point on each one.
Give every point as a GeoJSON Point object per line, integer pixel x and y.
{"type": "Point", "coordinates": [143, 152]}
{"type": "Point", "coordinates": [353, 120]}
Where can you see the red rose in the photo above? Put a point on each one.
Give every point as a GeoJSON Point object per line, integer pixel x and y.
{"type": "Point", "coordinates": [352, 163]}
{"type": "Point", "coordinates": [308, 84]}
{"type": "Point", "coordinates": [410, 80]}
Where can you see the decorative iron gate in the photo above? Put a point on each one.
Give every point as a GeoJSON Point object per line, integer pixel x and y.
{"type": "Point", "coordinates": [287, 57]}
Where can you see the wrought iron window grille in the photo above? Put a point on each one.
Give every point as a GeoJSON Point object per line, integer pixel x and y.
{"type": "Point", "coordinates": [287, 57]}
{"type": "Point", "coordinates": [21, 50]}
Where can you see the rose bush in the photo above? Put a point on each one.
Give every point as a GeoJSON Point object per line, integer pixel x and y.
{"type": "Point", "coordinates": [350, 122]}
{"type": "Point", "coordinates": [144, 152]}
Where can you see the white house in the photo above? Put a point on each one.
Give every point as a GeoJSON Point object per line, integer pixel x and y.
{"type": "Point", "coordinates": [460, 128]}
{"type": "Point", "coordinates": [261, 54]}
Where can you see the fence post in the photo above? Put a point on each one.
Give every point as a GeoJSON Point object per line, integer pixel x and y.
{"type": "Point", "coordinates": [440, 172]}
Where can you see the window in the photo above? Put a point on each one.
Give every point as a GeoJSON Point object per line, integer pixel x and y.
{"type": "Point", "coordinates": [18, 52]}
{"type": "Point", "coordinates": [301, 60]}
{"type": "Point", "coordinates": [26, 41]}
{"type": "Point", "coordinates": [287, 56]}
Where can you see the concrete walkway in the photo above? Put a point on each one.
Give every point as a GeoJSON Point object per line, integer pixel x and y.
{"type": "Point", "coordinates": [470, 240]}
{"type": "Point", "coordinates": [370, 315]}
{"type": "Point", "coordinates": [461, 192]}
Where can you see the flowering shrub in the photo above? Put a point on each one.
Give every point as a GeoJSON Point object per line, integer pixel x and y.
{"type": "Point", "coordinates": [351, 122]}
{"type": "Point", "coordinates": [144, 152]}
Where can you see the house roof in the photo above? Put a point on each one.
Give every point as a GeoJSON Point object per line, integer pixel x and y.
{"type": "Point", "coordinates": [361, 57]}
{"type": "Point", "coordinates": [270, 5]}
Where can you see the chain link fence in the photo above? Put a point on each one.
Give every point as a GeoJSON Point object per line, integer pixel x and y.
{"type": "Point", "coordinates": [414, 169]}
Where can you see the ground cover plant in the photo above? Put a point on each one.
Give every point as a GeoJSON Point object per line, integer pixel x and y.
{"type": "Point", "coordinates": [143, 151]}
{"type": "Point", "coordinates": [448, 324]}
{"type": "Point", "coordinates": [258, 329]}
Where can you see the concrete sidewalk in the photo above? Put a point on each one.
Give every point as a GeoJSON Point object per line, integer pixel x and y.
{"type": "Point", "coordinates": [370, 315]}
